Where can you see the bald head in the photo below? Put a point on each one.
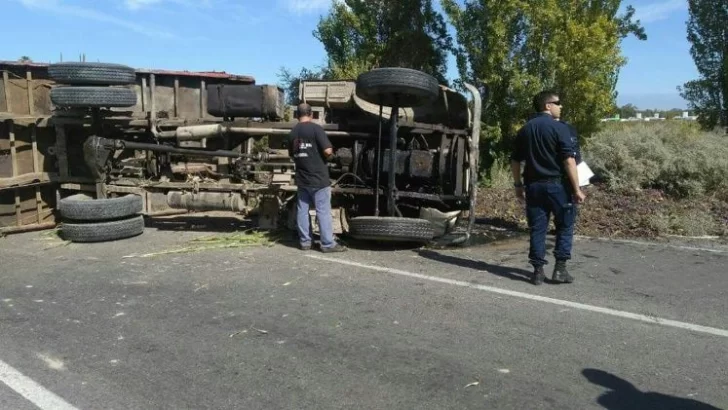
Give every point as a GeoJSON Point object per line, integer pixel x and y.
{"type": "Point", "coordinates": [304, 110]}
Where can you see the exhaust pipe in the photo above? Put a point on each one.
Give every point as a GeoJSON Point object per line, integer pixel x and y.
{"type": "Point", "coordinates": [206, 201]}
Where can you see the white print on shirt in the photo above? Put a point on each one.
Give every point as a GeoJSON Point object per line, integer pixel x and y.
{"type": "Point", "coordinates": [299, 148]}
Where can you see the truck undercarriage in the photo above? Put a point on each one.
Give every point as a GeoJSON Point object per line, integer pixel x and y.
{"type": "Point", "coordinates": [405, 148]}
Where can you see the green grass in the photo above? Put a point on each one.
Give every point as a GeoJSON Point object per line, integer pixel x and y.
{"type": "Point", "coordinates": [236, 240]}
{"type": "Point", "coordinates": [672, 156]}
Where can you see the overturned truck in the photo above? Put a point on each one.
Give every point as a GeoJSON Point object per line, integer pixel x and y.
{"type": "Point", "coordinates": [97, 147]}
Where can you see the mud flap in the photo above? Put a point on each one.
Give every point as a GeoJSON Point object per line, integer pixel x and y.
{"type": "Point", "coordinates": [442, 222]}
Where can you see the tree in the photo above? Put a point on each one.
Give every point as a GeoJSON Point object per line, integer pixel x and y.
{"type": "Point", "coordinates": [25, 59]}
{"type": "Point", "coordinates": [518, 48]}
{"type": "Point", "coordinates": [628, 111]}
{"type": "Point", "coordinates": [708, 34]}
{"type": "Point", "coordinates": [359, 35]}
{"type": "Point", "coordinates": [291, 82]}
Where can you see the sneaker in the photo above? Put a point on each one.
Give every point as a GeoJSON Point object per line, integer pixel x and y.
{"type": "Point", "coordinates": [305, 247]}
{"type": "Point", "coordinates": [538, 276]}
{"type": "Point", "coordinates": [561, 274]}
{"type": "Point", "coordinates": [335, 248]}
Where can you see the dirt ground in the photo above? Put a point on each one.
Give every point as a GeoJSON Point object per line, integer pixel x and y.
{"type": "Point", "coordinates": [644, 214]}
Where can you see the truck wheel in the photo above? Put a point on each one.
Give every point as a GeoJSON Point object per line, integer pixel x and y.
{"type": "Point", "coordinates": [93, 97]}
{"type": "Point", "coordinates": [92, 73]}
{"type": "Point", "coordinates": [84, 208]}
{"type": "Point", "coordinates": [103, 231]}
{"type": "Point", "coordinates": [392, 86]}
{"type": "Point", "coordinates": [391, 229]}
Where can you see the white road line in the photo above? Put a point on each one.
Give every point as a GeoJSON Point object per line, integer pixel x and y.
{"type": "Point", "coordinates": [644, 243]}
{"type": "Point", "coordinates": [575, 305]}
{"type": "Point", "coordinates": [32, 391]}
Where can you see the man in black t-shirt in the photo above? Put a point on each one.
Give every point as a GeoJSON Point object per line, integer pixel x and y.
{"type": "Point", "coordinates": [550, 184]}
{"type": "Point", "coordinates": [310, 148]}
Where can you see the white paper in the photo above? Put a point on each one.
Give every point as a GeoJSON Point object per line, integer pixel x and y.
{"type": "Point", "coordinates": [584, 173]}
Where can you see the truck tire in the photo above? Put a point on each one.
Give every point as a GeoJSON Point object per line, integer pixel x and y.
{"type": "Point", "coordinates": [103, 231]}
{"type": "Point", "coordinates": [91, 73]}
{"type": "Point", "coordinates": [403, 87]}
{"type": "Point", "coordinates": [84, 208]}
{"type": "Point", "coordinates": [93, 97]}
{"type": "Point", "coordinates": [391, 229]}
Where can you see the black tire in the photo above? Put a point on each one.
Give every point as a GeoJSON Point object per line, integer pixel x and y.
{"type": "Point", "coordinates": [391, 229]}
{"type": "Point", "coordinates": [92, 73]}
{"type": "Point", "coordinates": [403, 87]}
{"type": "Point", "coordinates": [103, 231]}
{"type": "Point", "coordinates": [93, 97]}
{"type": "Point", "coordinates": [83, 208]}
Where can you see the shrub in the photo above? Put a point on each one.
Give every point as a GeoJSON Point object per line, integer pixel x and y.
{"type": "Point", "coordinates": [674, 156]}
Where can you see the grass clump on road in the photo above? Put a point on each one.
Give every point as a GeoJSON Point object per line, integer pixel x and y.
{"type": "Point", "coordinates": [245, 239]}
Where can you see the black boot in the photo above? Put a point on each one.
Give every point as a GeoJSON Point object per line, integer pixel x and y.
{"type": "Point", "coordinates": [538, 275]}
{"type": "Point", "coordinates": [561, 274]}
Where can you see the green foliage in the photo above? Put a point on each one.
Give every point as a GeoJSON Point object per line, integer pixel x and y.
{"type": "Point", "coordinates": [627, 111]}
{"type": "Point", "coordinates": [708, 33]}
{"type": "Point", "coordinates": [359, 35]}
{"type": "Point", "coordinates": [290, 82]}
{"type": "Point", "coordinates": [673, 156]}
{"type": "Point", "coordinates": [518, 48]}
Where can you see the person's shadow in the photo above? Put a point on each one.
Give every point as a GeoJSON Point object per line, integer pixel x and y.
{"type": "Point", "coordinates": [502, 271]}
{"type": "Point", "coordinates": [623, 395]}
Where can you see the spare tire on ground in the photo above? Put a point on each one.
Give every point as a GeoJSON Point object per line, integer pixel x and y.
{"type": "Point", "coordinates": [95, 97]}
{"type": "Point", "coordinates": [84, 208]}
{"type": "Point", "coordinates": [391, 229]}
{"type": "Point", "coordinates": [103, 231]}
{"type": "Point", "coordinates": [80, 73]}
{"type": "Point", "coordinates": [396, 86]}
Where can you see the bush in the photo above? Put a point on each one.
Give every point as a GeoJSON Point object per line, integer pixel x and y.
{"type": "Point", "coordinates": [673, 156]}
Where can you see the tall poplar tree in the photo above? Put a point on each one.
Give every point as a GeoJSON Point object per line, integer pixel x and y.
{"type": "Point", "coordinates": [519, 47]}
{"type": "Point", "coordinates": [708, 34]}
{"type": "Point", "coordinates": [359, 35]}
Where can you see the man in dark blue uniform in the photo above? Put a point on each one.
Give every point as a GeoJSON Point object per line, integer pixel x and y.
{"type": "Point", "coordinates": [574, 139]}
{"type": "Point", "coordinates": [550, 184]}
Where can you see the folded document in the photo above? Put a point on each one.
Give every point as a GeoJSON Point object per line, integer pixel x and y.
{"type": "Point", "coordinates": [584, 173]}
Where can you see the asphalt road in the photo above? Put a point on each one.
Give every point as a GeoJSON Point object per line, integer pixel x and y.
{"type": "Point", "coordinates": [276, 328]}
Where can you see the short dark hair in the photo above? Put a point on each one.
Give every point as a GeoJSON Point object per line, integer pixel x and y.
{"type": "Point", "coordinates": [303, 109]}
{"type": "Point", "coordinates": [540, 99]}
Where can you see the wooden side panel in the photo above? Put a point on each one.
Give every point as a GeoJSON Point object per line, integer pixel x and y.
{"type": "Point", "coordinates": [19, 207]}
{"type": "Point", "coordinates": [27, 198]}
{"type": "Point", "coordinates": [26, 90]}
{"type": "Point", "coordinates": [3, 97]}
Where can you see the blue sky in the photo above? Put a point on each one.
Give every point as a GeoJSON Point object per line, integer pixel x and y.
{"type": "Point", "coordinates": [259, 37]}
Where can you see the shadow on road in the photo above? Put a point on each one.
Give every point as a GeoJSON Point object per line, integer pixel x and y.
{"type": "Point", "coordinates": [623, 395]}
{"type": "Point", "coordinates": [502, 271]}
{"type": "Point", "coordinates": [198, 223]}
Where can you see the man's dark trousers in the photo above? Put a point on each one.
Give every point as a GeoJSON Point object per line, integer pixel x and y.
{"type": "Point", "coordinates": [543, 199]}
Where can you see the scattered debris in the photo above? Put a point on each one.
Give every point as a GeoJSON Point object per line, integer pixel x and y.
{"type": "Point", "coordinates": [472, 384]}
{"type": "Point", "coordinates": [239, 332]}
{"type": "Point", "coordinates": [237, 240]}
{"type": "Point", "coordinates": [205, 286]}
{"type": "Point", "coordinates": [244, 331]}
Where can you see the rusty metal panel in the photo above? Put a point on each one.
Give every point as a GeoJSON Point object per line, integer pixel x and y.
{"type": "Point", "coordinates": [420, 164]}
